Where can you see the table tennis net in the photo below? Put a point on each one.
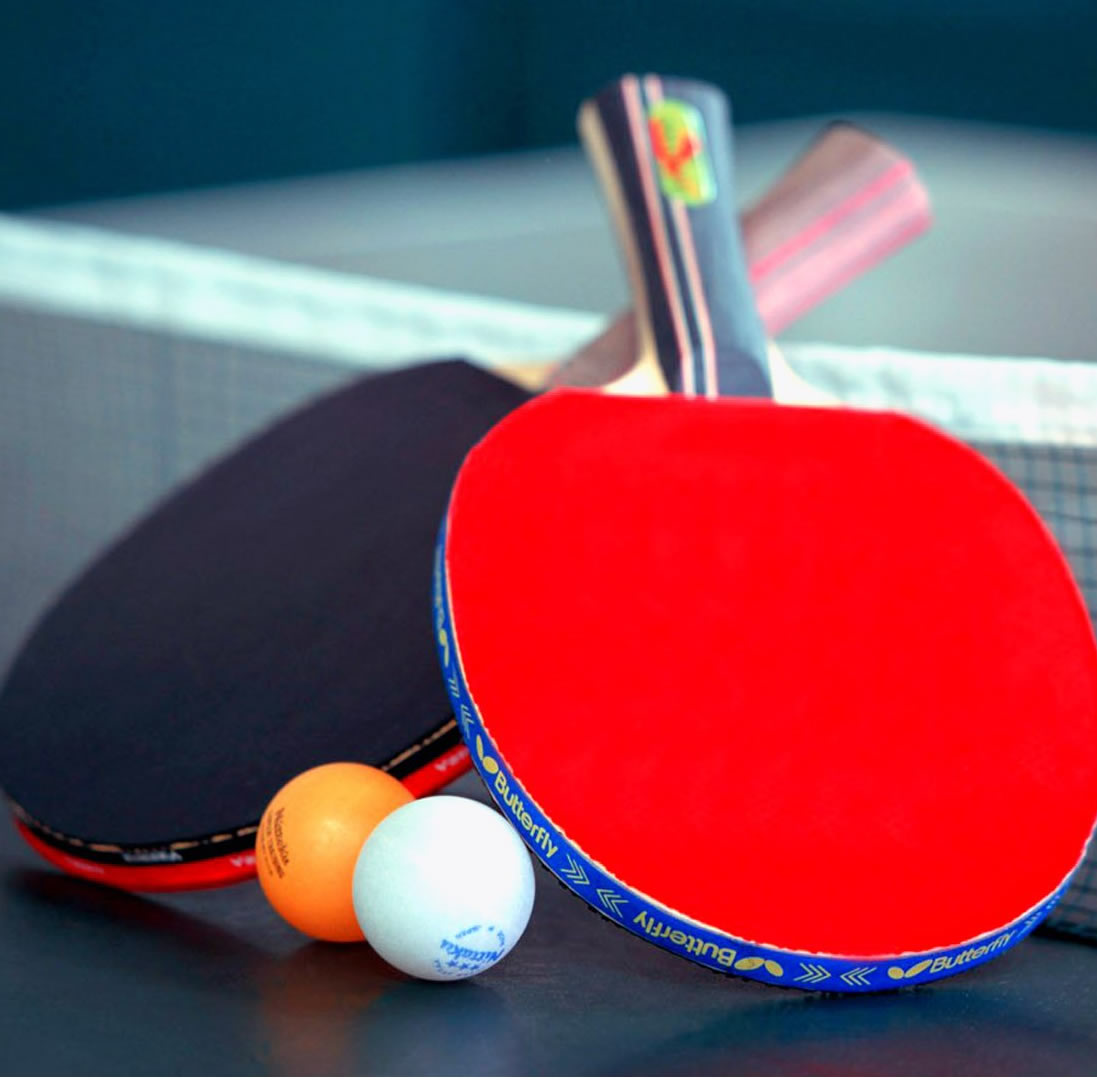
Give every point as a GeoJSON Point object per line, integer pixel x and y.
{"type": "Point", "coordinates": [128, 364]}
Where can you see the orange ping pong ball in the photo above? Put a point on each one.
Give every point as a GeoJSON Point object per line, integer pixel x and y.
{"type": "Point", "coordinates": [309, 839]}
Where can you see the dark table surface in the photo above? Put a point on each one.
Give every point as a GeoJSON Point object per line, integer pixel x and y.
{"type": "Point", "coordinates": [101, 982]}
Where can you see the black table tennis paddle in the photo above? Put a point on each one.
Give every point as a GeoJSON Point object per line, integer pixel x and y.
{"type": "Point", "coordinates": [272, 614]}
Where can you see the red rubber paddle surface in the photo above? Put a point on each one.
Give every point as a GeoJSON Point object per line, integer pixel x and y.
{"type": "Point", "coordinates": [818, 679]}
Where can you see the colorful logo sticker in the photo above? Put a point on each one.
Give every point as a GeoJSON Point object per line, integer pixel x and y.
{"type": "Point", "coordinates": [681, 152]}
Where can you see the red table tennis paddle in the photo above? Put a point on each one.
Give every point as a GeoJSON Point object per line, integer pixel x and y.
{"type": "Point", "coordinates": [807, 695]}
{"type": "Point", "coordinates": [265, 618]}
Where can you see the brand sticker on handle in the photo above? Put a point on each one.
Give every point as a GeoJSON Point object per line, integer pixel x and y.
{"type": "Point", "coordinates": [680, 146]}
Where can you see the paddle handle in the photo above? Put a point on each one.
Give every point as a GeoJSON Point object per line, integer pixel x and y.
{"type": "Point", "coordinates": [662, 150]}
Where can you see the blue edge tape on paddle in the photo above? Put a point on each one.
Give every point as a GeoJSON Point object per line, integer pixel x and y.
{"type": "Point", "coordinates": [646, 919]}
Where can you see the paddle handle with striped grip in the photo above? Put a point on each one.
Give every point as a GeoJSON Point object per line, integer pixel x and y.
{"type": "Point", "coordinates": [662, 150]}
{"type": "Point", "coordinates": [848, 202]}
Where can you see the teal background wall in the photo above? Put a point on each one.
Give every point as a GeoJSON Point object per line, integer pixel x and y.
{"type": "Point", "coordinates": [102, 98]}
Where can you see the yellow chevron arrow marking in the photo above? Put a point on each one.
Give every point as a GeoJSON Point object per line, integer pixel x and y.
{"type": "Point", "coordinates": [575, 873]}
{"type": "Point", "coordinates": [611, 901]}
{"type": "Point", "coordinates": [856, 977]}
{"type": "Point", "coordinates": [466, 718]}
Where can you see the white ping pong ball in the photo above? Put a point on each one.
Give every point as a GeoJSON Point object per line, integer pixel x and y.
{"type": "Point", "coordinates": [443, 888]}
